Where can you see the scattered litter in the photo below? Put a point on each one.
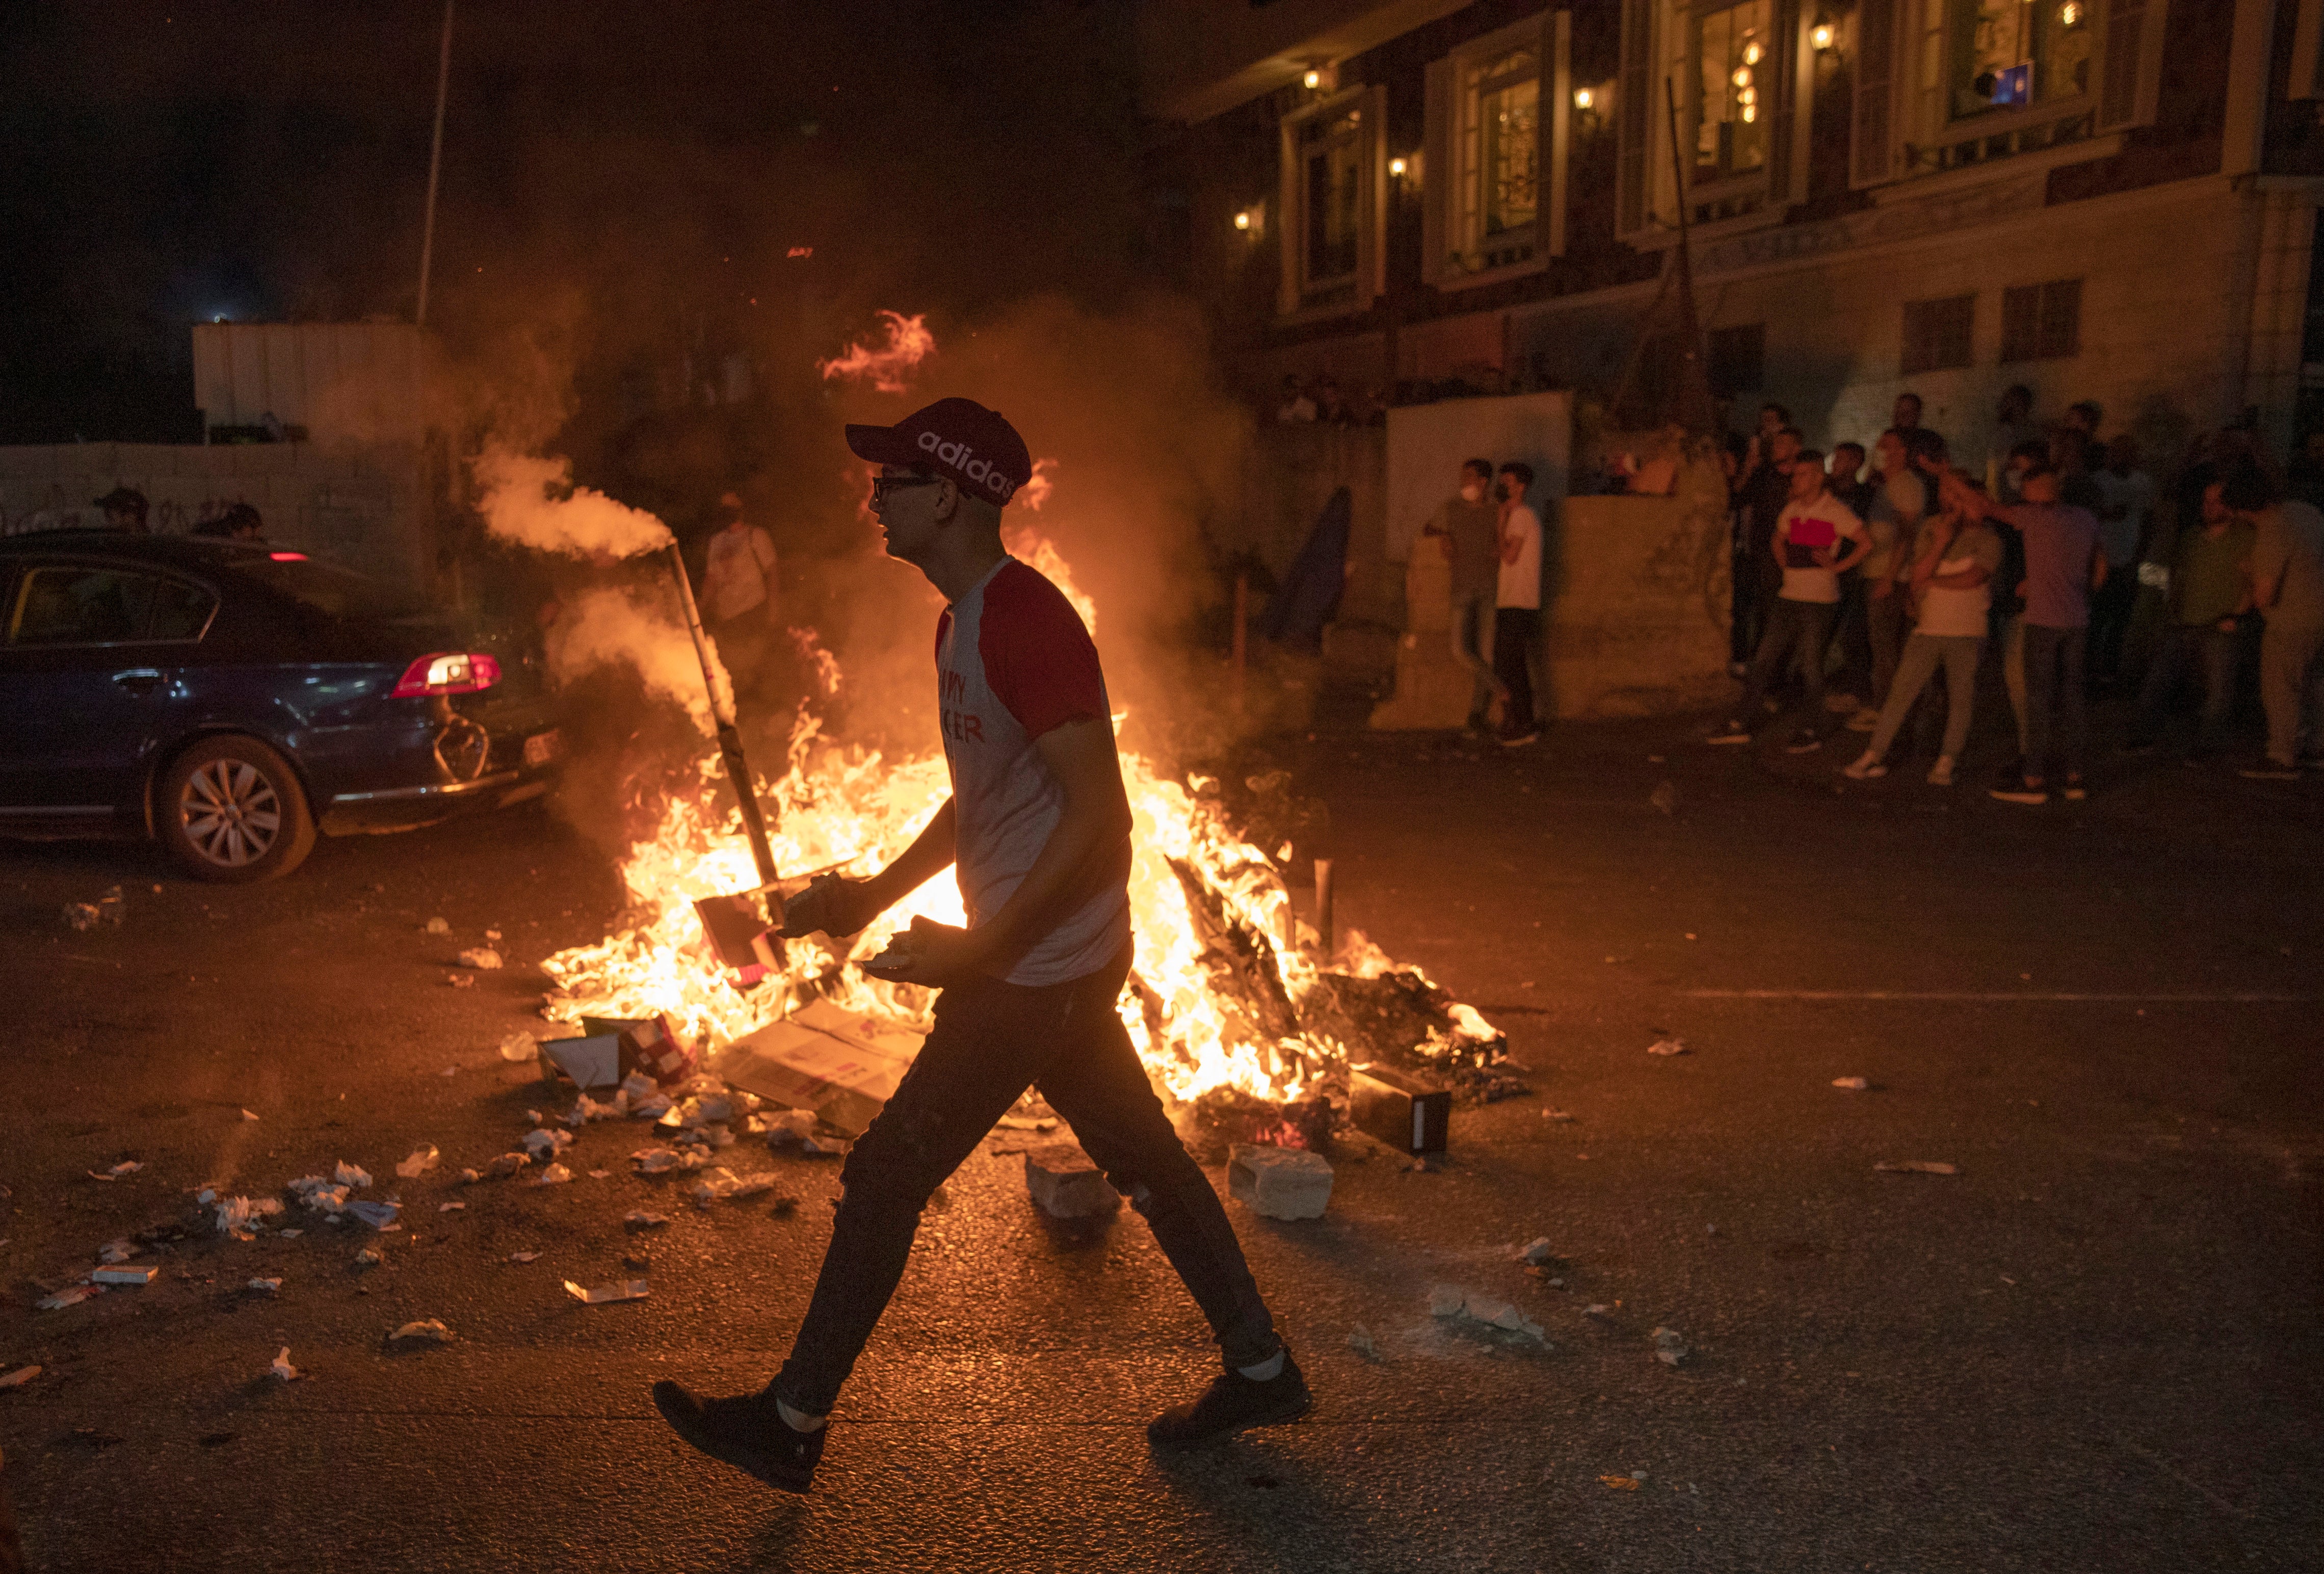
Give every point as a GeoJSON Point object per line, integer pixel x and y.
{"type": "Point", "coordinates": [430, 1330]}
{"type": "Point", "coordinates": [553, 1175]}
{"type": "Point", "coordinates": [280, 1365]}
{"type": "Point", "coordinates": [1670, 1346]}
{"type": "Point", "coordinates": [1026, 1123]}
{"type": "Point", "coordinates": [20, 1376]}
{"type": "Point", "coordinates": [638, 1219]}
{"type": "Point", "coordinates": [542, 1142]}
{"type": "Point", "coordinates": [378, 1215]}
{"type": "Point", "coordinates": [492, 935]}
{"type": "Point", "coordinates": [125, 1275]}
{"type": "Point", "coordinates": [125, 1167]}
{"type": "Point", "coordinates": [422, 1160]}
{"type": "Point", "coordinates": [317, 1193]}
{"type": "Point", "coordinates": [524, 1257]}
{"type": "Point", "coordinates": [238, 1216]}
{"type": "Point", "coordinates": [585, 1108]}
{"type": "Point", "coordinates": [1916, 1167]}
{"type": "Point", "coordinates": [354, 1177]}
{"type": "Point", "coordinates": [519, 1047]}
{"type": "Point", "coordinates": [1665, 796]}
{"type": "Point", "coordinates": [81, 914]}
{"type": "Point", "coordinates": [371, 1256]}
{"type": "Point", "coordinates": [72, 1295]}
{"type": "Point", "coordinates": [288, 1234]}
{"type": "Point", "coordinates": [826, 1147]}
{"type": "Point", "coordinates": [655, 1161]}
{"type": "Point", "coordinates": [1597, 1308]}
{"type": "Point", "coordinates": [1550, 1112]}
{"type": "Point", "coordinates": [1853, 1084]}
{"type": "Point", "coordinates": [1361, 1340]}
{"type": "Point", "coordinates": [455, 1207]}
{"type": "Point", "coordinates": [719, 1183]}
{"type": "Point", "coordinates": [118, 1251]}
{"type": "Point", "coordinates": [1449, 1300]}
{"type": "Point", "coordinates": [1623, 1483]}
{"type": "Point", "coordinates": [246, 1114]}
{"type": "Point", "coordinates": [459, 981]}
{"type": "Point", "coordinates": [266, 1286]}
{"type": "Point", "coordinates": [483, 957]}
{"type": "Point", "coordinates": [622, 1290]}
{"type": "Point", "coordinates": [499, 1169]}
{"type": "Point", "coordinates": [1279, 1183]}
{"type": "Point", "coordinates": [1065, 1183]}
{"type": "Point", "coordinates": [1668, 1044]}
{"type": "Point", "coordinates": [1406, 1112]}
{"type": "Point", "coordinates": [599, 1174]}
{"type": "Point", "coordinates": [437, 926]}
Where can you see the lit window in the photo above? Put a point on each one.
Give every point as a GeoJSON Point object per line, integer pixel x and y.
{"type": "Point", "coordinates": [1733, 65]}
{"type": "Point", "coordinates": [1498, 146]}
{"type": "Point", "coordinates": [2009, 54]}
{"type": "Point", "coordinates": [1330, 199]}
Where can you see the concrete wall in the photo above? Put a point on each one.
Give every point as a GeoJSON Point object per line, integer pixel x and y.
{"type": "Point", "coordinates": [366, 507]}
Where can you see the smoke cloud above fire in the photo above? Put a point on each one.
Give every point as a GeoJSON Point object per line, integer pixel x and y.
{"type": "Point", "coordinates": [606, 627]}
{"type": "Point", "coordinates": [532, 502]}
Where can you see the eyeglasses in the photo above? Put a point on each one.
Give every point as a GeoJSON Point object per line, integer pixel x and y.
{"type": "Point", "coordinates": [881, 485]}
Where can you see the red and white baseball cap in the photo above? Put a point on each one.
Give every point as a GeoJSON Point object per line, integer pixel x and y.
{"type": "Point", "coordinates": [957, 438]}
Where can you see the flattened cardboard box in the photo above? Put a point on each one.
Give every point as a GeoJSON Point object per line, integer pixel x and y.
{"type": "Point", "coordinates": [842, 1064]}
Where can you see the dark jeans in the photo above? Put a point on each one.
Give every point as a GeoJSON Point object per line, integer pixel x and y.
{"type": "Point", "coordinates": [2056, 720]}
{"type": "Point", "coordinates": [1514, 628]}
{"type": "Point", "coordinates": [2110, 609]}
{"type": "Point", "coordinates": [1755, 580]}
{"type": "Point", "coordinates": [992, 1041]}
{"type": "Point", "coordinates": [2219, 655]}
{"type": "Point", "coordinates": [1797, 633]}
{"type": "Point", "coordinates": [1885, 626]}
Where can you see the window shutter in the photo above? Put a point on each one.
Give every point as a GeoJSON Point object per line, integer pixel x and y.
{"type": "Point", "coordinates": [2125, 97]}
{"type": "Point", "coordinates": [1785, 99]}
{"type": "Point", "coordinates": [1436, 172]}
{"type": "Point", "coordinates": [2307, 40]}
{"type": "Point", "coordinates": [1556, 129]}
{"type": "Point", "coordinates": [1872, 144]}
{"type": "Point", "coordinates": [1639, 105]}
{"type": "Point", "coordinates": [1290, 223]}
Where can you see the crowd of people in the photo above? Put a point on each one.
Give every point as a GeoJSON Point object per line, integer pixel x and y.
{"type": "Point", "coordinates": [1891, 566]}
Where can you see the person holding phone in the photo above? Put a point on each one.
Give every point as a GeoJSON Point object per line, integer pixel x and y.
{"type": "Point", "coordinates": [1038, 832]}
{"type": "Point", "coordinates": [1808, 549]}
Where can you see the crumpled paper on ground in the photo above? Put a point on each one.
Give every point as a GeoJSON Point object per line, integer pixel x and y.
{"type": "Point", "coordinates": [422, 1160]}
{"type": "Point", "coordinates": [281, 1366]}
{"type": "Point", "coordinates": [1449, 1300]}
{"type": "Point", "coordinates": [621, 1290]}
{"type": "Point", "coordinates": [430, 1330]}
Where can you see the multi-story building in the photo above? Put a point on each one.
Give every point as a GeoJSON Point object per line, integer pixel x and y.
{"type": "Point", "coordinates": [2104, 199]}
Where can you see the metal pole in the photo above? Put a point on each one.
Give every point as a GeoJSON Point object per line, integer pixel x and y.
{"type": "Point", "coordinates": [1241, 617]}
{"type": "Point", "coordinates": [1324, 909]}
{"type": "Point", "coordinates": [435, 163]}
{"type": "Point", "coordinates": [730, 742]}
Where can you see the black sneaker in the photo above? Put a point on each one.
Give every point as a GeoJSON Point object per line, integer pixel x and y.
{"type": "Point", "coordinates": [1804, 742]}
{"type": "Point", "coordinates": [1232, 1402]}
{"type": "Point", "coordinates": [747, 1433]}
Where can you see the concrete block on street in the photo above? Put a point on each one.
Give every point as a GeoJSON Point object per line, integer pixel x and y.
{"type": "Point", "coordinates": [1066, 1183]}
{"type": "Point", "coordinates": [1279, 1183]}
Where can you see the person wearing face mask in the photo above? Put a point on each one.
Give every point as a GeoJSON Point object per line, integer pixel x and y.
{"type": "Point", "coordinates": [1467, 526]}
{"type": "Point", "coordinates": [1516, 606]}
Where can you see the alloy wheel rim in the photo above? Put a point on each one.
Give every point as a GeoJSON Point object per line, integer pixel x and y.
{"type": "Point", "coordinates": [230, 813]}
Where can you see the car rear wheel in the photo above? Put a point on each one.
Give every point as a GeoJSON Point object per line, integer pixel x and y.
{"type": "Point", "coordinates": [231, 809]}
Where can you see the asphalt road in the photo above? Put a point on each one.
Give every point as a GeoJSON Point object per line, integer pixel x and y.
{"type": "Point", "coordinates": [2095, 1346]}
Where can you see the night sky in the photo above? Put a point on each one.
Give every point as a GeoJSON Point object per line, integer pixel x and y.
{"type": "Point", "coordinates": [618, 180]}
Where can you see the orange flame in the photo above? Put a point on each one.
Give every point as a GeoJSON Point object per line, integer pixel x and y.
{"type": "Point", "coordinates": [890, 366]}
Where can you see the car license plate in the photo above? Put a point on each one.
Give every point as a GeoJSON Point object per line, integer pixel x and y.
{"type": "Point", "coordinates": [543, 747]}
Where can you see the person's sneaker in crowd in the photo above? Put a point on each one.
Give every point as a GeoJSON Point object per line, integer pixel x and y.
{"type": "Point", "coordinates": [746, 1432]}
{"type": "Point", "coordinates": [1864, 721]}
{"type": "Point", "coordinates": [2027, 791]}
{"type": "Point", "coordinates": [2269, 770]}
{"type": "Point", "coordinates": [1803, 741]}
{"type": "Point", "coordinates": [1518, 737]}
{"type": "Point", "coordinates": [1865, 768]}
{"type": "Point", "coordinates": [1940, 773]}
{"type": "Point", "coordinates": [1732, 732]}
{"type": "Point", "coordinates": [1232, 1402]}
{"type": "Point", "coordinates": [2075, 791]}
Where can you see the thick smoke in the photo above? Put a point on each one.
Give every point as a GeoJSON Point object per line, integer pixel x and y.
{"type": "Point", "coordinates": [604, 627]}
{"type": "Point", "coordinates": [533, 502]}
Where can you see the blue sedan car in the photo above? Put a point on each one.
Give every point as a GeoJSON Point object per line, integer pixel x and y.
{"type": "Point", "coordinates": [230, 699]}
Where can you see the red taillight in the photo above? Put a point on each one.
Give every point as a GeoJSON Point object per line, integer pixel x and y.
{"type": "Point", "coordinates": [286, 558]}
{"type": "Point", "coordinates": [449, 672]}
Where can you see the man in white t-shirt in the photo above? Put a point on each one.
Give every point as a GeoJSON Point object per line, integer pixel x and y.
{"type": "Point", "coordinates": [739, 598]}
{"type": "Point", "coordinates": [1517, 607]}
{"type": "Point", "coordinates": [1818, 539]}
{"type": "Point", "coordinates": [1950, 582]}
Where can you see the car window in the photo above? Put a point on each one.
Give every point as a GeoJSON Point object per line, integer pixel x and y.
{"type": "Point", "coordinates": [329, 589]}
{"type": "Point", "coordinates": [69, 604]}
{"type": "Point", "coordinates": [180, 611]}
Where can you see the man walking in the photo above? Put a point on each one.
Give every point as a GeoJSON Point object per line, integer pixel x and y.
{"type": "Point", "coordinates": [1807, 551]}
{"type": "Point", "coordinates": [1950, 583]}
{"type": "Point", "coordinates": [739, 591]}
{"type": "Point", "coordinates": [1038, 827]}
{"type": "Point", "coordinates": [2064, 564]}
{"type": "Point", "coordinates": [2210, 592]}
{"type": "Point", "coordinates": [1468, 526]}
{"type": "Point", "coordinates": [2287, 575]}
{"type": "Point", "coordinates": [1517, 607]}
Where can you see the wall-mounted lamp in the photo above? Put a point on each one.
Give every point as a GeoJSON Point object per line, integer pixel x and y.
{"type": "Point", "coordinates": [1243, 219]}
{"type": "Point", "coordinates": [1824, 33]}
{"type": "Point", "coordinates": [1585, 98]}
{"type": "Point", "coordinates": [2071, 13]}
{"type": "Point", "coordinates": [1396, 167]}
{"type": "Point", "coordinates": [1311, 80]}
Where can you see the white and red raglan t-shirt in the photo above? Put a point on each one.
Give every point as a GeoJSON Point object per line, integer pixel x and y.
{"type": "Point", "coordinates": [1012, 662]}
